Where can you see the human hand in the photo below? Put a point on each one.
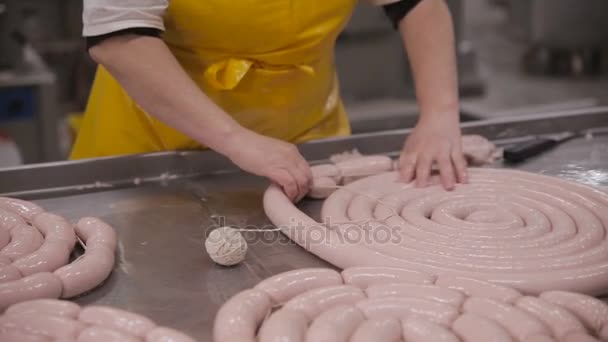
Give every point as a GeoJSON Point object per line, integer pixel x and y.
{"type": "Point", "coordinates": [434, 140]}
{"type": "Point", "coordinates": [279, 161]}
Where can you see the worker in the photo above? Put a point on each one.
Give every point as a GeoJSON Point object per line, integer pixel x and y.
{"type": "Point", "coordinates": [250, 78]}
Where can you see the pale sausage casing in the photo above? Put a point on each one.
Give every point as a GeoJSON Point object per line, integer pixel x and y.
{"type": "Point", "coordinates": [285, 286]}
{"type": "Point", "coordinates": [239, 317]}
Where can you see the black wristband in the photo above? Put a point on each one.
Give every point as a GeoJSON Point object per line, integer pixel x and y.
{"type": "Point", "coordinates": [142, 31]}
{"type": "Point", "coordinates": [398, 10]}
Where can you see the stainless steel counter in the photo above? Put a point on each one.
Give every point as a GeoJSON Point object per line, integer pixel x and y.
{"type": "Point", "coordinates": [163, 205]}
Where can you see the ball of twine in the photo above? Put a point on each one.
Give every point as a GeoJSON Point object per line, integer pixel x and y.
{"type": "Point", "coordinates": [226, 246]}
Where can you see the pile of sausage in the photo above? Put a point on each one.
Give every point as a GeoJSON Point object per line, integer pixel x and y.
{"type": "Point", "coordinates": [529, 231]}
{"type": "Point", "coordinates": [35, 250]}
{"type": "Point", "coordinates": [46, 320]}
{"type": "Point", "coordinates": [367, 304]}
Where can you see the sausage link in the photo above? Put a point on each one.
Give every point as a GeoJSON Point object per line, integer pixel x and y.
{"type": "Point", "coordinates": [9, 219]}
{"type": "Point", "coordinates": [96, 232]}
{"type": "Point", "coordinates": [55, 228]}
{"type": "Point", "coordinates": [421, 330]}
{"type": "Point", "coordinates": [87, 272]}
{"type": "Point", "coordinates": [403, 307]}
{"type": "Point", "coordinates": [24, 208]}
{"type": "Point", "coordinates": [326, 170]}
{"type": "Point", "coordinates": [54, 327]}
{"type": "Point", "coordinates": [20, 336]}
{"type": "Point", "coordinates": [335, 324]}
{"type": "Point", "coordinates": [285, 286]}
{"type": "Point", "coordinates": [25, 239]}
{"type": "Point", "coordinates": [322, 187]}
{"type": "Point", "coordinates": [313, 302]}
{"type": "Point", "coordinates": [364, 277]}
{"type": "Point", "coordinates": [479, 288]}
{"type": "Point", "coordinates": [39, 285]}
{"type": "Point", "coordinates": [386, 329]}
{"type": "Point", "coordinates": [52, 307]}
{"type": "Point", "coordinates": [112, 318]}
{"type": "Point", "coordinates": [161, 334]}
{"type": "Point", "coordinates": [518, 323]}
{"type": "Point", "coordinates": [284, 325]}
{"type": "Point", "coordinates": [49, 257]}
{"type": "Point", "coordinates": [431, 292]}
{"type": "Point", "coordinates": [474, 328]}
{"type": "Point", "coordinates": [101, 334]}
{"type": "Point", "coordinates": [239, 318]}
{"type": "Point", "coordinates": [592, 312]}
{"type": "Point", "coordinates": [558, 319]}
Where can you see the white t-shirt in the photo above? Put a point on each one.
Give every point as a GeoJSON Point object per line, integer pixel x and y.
{"type": "Point", "coordinates": [106, 16]}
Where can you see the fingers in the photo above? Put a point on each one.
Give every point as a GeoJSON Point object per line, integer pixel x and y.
{"type": "Point", "coordinates": [301, 174]}
{"type": "Point", "coordinates": [287, 182]}
{"type": "Point", "coordinates": [423, 170]}
{"type": "Point", "coordinates": [407, 166]}
{"type": "Point", "coordinates": [446, 171]}
{"type": "Point", "coordinates": [460, 164]}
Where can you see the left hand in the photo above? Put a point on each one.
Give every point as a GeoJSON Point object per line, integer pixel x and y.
{"type": "Point", "coordinates": [435, 139]}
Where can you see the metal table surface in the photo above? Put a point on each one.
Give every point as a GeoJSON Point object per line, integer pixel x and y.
{"type": "Point", "coordinates": [163, 205]}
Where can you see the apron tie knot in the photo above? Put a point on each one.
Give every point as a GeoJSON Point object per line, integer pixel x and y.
{"type": "Point", "coordinates": [228, 73]}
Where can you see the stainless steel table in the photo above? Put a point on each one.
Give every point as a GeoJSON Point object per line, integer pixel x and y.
{"type": "Point", "coordinates": [164, 204]}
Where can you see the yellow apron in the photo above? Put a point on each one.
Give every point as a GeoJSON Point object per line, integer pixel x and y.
{"type": "Point", "coordinates": [268, 63]}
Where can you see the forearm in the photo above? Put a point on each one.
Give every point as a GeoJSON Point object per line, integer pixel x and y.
{"type": "Point", "coordinates": [428, 36]}
{"type": "Point", "coordinates": [148, 71]}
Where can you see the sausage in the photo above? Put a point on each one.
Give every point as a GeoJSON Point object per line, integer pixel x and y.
{"type": "Point", "coordinates": [54, 327]}
{"type": "Point", "coordinates": [96, 263]}
{"type": "Point", "coordinates": [558, 319]}
{"type": "Point", "coordinates": [96, 232]}
{"type": "Point", "coordinates": [4, 261]}
{"type": "Point", "coordinates": [474, 328]}
{"type": "Point", "coordinates": [49, 257]}
{"type": "Point", "coordinates": [364, 277]}
{"type": "Point", "coordinates": [592, 312]}
{"type": "Point", "coordinates": [403, 307]}
{"type": "Point", "coordinates": [87, 272]}
{"type": "Point", "coordinates": [479, 288]}
{"type": "Point", "coordinates": [19, 336]}
{"type": "Point", "coordinates": [315, 301]}
{"type": "Point", "coordinates": [25, 239]}
{"type": "Point", "coordinates": [116, 319]}
{"type": "Point", "coordinates": [554, 216]}
{"type": "Point", "coordinates": [386, 329]}
{"type": "Point", "coordinates": [55, 228]}
{"type": "Point", "coordinates": [578, 336]}
{"type": "Point", "coordinates": [53, 307]}
{"type": "Point", "coordinates": [284, 286]}
{"type": "Point", "coordinates": [9, 219]}
{"type": "Point", "coordinates": [161, 334]}
{"type": "Point", "coordinates": [284, 325]}
{"type": "Point", "coordinates": [518, 323]}
{"type": "Point", "coordinates": [421, 330]}
{"type": "Point", "coordinates": [431, 292]}
{"type": "Point", "coordinates": [239, 318]}
{"type": "Point", "coordinates": [335, 324]}
{"type": "Point", "coordinates": [363, 166]}
{"type": "Point", "coordinates": [25, 209]}
{"type": "Point", "coordinates": [326, 171]}
{"type": "Point", "coordinates": [322, 187]}
{"type": "Point", "coordinates": [39, 285]}
{"type": "Point", "coordinates": [101, 334]}
{"type": "Point", "coordinates": [4, 237]}
{"type": "Point", "coordinates": [9, 273]}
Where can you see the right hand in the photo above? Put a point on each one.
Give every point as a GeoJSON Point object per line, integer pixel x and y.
{"type": "Point", "coordinates": [277, 160]}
